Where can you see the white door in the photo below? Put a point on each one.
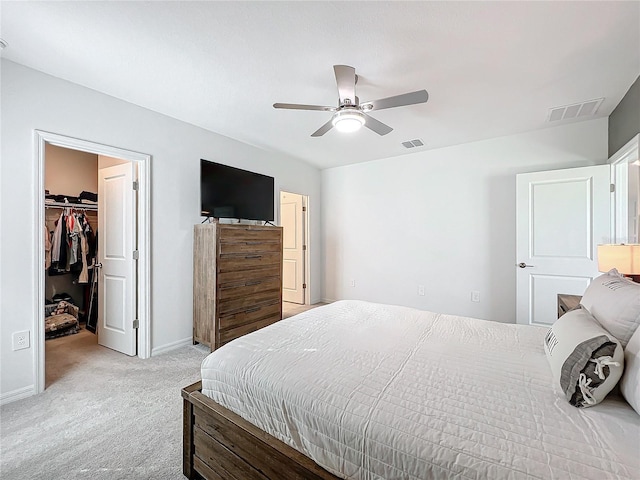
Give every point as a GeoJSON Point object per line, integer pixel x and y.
{"type": "Point", "coordinates": [561, 216]}
{"type": "Point", "coordinates": [116, 221]}
{"type": "Point", "coordinates": [292, 221]}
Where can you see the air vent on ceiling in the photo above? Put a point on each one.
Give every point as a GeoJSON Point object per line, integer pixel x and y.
{"type": "Point", "coordinates": [576, 110]}
{"type": "Point", "coordinates": [413, 143]}
{"type": "Point", "coordinates": [3, 44]}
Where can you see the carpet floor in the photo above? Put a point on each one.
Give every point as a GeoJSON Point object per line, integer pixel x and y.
{"type": "Point", "coordinates": [102, 416]}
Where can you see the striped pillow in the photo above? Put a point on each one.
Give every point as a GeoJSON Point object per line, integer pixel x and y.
{"type": "Point", "coordinates": [586, 360]}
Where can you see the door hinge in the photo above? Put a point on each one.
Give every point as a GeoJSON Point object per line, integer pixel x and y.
{"type": "Point", "coordinates": [304, 209]}
{"type": "Point", "coordinates": [304, 285]}
{"type": "Point", "coordinates": [136, 185]}
{"type": "Point", "coordinates": [612, 188]}
{"type": "Point", "coordinates": [136, 323]}
{"type": "Point", "coordinates": [304, 247]}
{"type": "Point", "coordinates": [136, 254]}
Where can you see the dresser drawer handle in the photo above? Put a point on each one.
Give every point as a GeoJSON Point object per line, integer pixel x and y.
{"type": "Point", "coordinates": [249, 284]}
{"type": "Point", "coordinates": [247, 257]}
{"type": "Point", "coordinates": [251, 310]}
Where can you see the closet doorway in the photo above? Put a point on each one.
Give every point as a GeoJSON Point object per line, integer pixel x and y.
{"type": "Point", "coordinates": [295, 245]}
{"type": "Point", "coordinates": [96, 198]}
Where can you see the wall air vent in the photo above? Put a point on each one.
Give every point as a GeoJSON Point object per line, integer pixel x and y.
{"type": "Point", "coordinates": [413, 143]}
{"type": "Point", "coordinates": [576, 110]}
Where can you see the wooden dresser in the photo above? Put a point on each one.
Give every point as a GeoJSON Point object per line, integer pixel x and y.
{"type": "Point", "coordinates": [237, 281]}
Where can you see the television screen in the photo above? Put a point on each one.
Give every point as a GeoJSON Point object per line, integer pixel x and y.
{"type": "Point", "coordinates": [228, 192]}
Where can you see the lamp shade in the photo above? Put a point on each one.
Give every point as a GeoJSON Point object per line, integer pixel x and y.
{"type": "Point", "coordinates": [624, 258]}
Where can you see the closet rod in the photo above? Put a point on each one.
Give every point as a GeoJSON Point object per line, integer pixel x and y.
{"type": "Point", "coordinates": [79, 206]}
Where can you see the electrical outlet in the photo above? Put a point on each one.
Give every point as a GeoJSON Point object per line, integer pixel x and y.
{"type": "Point", "coordinates": [421, 290]}
{"type": "Point", "coordinates": [353, 282]}
{"type": "Point", "coordinates": [475, 296]}
{"type": "Point", "coordinates": [21, 340]}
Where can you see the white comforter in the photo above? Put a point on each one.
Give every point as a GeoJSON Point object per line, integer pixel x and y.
{"type": "Point", "coordinates": [374, 391]}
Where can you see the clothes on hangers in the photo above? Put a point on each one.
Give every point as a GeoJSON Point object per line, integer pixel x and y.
{"type": "Point", "coordinates": [55, 240]}
{"type": "Point", "coordinates": [47, 248]}
{"type": "Point", "coordinates": [86, 238]}
{"type": "Point", "coordinates": [71, 245]}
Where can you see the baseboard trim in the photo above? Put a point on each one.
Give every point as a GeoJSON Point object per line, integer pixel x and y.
{"type": "Point", "coordinates": [18, 394]}
{"type": "Point", "coordinates": [327, 300]}
{"type": "Point", "coordinates": [172, 346]}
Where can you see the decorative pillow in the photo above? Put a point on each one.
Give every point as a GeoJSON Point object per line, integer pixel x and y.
{"type": "Point", "coordinates": [614, 301]}
{"type": "Point", "coordinates": [586, 360]}
{"type": "Point", "coordinates": [630, 382]}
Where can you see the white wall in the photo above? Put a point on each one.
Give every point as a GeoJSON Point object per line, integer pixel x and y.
{"type": "Point", "coordinates": [31, 100]}
{"type": "Point", "coordinates": [443, 218]}
{"type": "Point", "coordinates": [69, 172]}
{"type": "Point", "coordinates": [105, 162]}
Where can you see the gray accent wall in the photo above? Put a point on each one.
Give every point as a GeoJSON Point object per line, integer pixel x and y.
{"type": "Point", "coordinates": [624, 121]}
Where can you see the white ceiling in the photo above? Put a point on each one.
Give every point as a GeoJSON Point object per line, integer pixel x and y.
{"type": "Point", "coordinates": [491, 68]}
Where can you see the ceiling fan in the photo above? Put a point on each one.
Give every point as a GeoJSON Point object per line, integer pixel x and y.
{"type": "Point", "coordinates": [350, 114]}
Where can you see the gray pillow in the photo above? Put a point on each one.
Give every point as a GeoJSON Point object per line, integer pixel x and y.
{"type": "Point", "coordinates": [630, 382]}
{"type": "Point", "coordinates": [614, 301]}
{"type": "Point", "coordinates": [586, 360]}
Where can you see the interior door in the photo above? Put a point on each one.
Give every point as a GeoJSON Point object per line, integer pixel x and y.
{"type": "Point", "coordinates": [116, 220]}
{"type": "Point", "coordinates": [561, 217]}
{"type": "Point", "coordinates": [292, 221]}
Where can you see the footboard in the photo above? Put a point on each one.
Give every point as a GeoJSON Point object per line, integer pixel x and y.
{"type": "Point", "coordinates": [218, 444]}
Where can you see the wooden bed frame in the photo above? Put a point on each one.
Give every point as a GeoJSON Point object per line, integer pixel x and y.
{"type": "Point", "coordinates": [220, 445]}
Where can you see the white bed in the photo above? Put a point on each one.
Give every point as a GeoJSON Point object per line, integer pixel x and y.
{"type": "Point", "coordinates": [373, 391]}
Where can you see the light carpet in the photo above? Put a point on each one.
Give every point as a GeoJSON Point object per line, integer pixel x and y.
{"type": "Point", "coordinates": [103, 415]}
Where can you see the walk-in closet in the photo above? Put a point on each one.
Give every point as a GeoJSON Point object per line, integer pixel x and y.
{"type": "Point", "coordinates": [76, 222]}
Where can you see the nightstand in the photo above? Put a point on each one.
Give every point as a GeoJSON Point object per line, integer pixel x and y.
{"type": "Point", "coordinates": [567, 302]}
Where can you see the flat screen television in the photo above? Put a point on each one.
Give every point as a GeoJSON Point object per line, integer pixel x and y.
{"type": "Point", "coordinates": [229, 192]}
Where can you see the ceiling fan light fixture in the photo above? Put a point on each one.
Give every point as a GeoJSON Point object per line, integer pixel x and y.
{"type": "Point", "coordinates": [348, 120]}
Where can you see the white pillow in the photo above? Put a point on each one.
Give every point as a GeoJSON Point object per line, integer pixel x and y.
{"type": "Point", "coordinates": [614, 301]}
{"type": "Point", "coordinates": [585, 359]}
{"type": "Point", "coordinates": [630, 382]}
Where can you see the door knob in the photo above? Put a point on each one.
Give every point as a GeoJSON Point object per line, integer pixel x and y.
{"type": "Point", "coordinates": [524, 265]}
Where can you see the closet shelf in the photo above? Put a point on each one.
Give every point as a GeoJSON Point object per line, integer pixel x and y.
{"type": "Point", "coordinates": [79, 206]}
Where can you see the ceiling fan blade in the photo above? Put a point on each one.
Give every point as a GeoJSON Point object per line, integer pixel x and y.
{"type": "Point", "coordinates": [377, 126]}
{"type": "Point", "coordinates": [296, 106]}
{"type": "Point", "coordinates": [421, 96]}
{"type": "Point", "coordinates": [323, 129]}
{"type": "Point", "coordinates": [346, 80]}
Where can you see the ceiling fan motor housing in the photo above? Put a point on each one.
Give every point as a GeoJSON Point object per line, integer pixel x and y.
{"type": "Point", "coordinates": [348, 119]}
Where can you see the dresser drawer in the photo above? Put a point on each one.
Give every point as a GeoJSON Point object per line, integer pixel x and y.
{"type": "Point", "coordinates": [231, 305]}
{"type": "Point", "coordinates": [249, 261]}
{"type": "Point", "coordinates": [250, 315]}
{"type": "Point", "coordinates": [224, 278]}
{"type": "Point", "coordinates": [231, 234]}
{"type": "Point", "coordinates": [233, 333]}
{"type": "Point", "coordinates": [246, 288]}
{"type": "Point", "coordinates": [249, 248]}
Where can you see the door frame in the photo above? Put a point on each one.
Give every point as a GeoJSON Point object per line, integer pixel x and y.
{"type": "Point", "coordinates": [143, 231]}
{"type": "Point", "coordinates": [628, 154]}
{"type": "Point", "coordinates": [307, 238]}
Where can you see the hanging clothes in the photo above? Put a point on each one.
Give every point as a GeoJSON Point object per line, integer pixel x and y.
{"type": "Point", "coordinates": [56, 239]}
{"type": "Point", "coordinates": [71, 245]}
{"type": "Point", "coordinates": [86, 234]}
{"type": "Point", "coordinates": [47, 248]}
